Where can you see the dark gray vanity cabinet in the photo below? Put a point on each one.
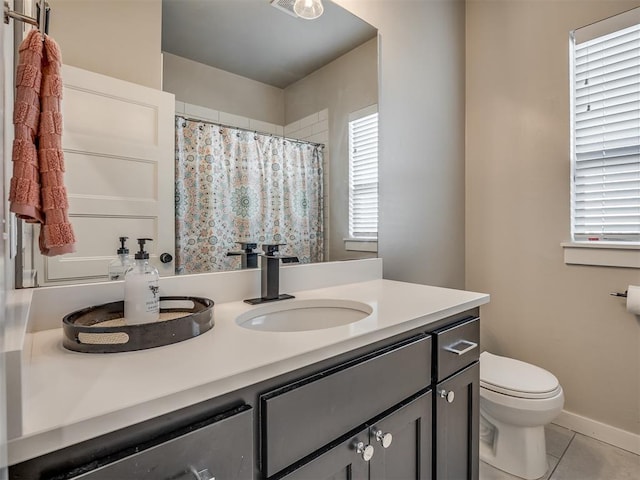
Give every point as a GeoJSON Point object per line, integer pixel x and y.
{"type": "Point", "coordinates": [299, 419]}
{"type": "Point", "coordinates": [406, 407]}
{"type": "Point", "coordinates": [339, 462]}
{"type": "Point", "coordinates": [407, 454]}
{"type": "Point", "coordinates": [197, 443]}
{"type": "Point", "coordinates": [222, 449]}
{"type": "Point", "coordinates": [456, 426]}
{"type": "Point", "coordinates": [456, 401]}
{"type": "Point", "coordinates": [397, 445]}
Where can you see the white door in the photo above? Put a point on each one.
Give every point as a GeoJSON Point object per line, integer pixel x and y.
{"type": "Point", "coordinates": [118, 143]}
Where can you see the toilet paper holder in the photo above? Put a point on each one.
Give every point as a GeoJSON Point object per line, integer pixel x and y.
{"type": "Point", "coordinates": [619, 294]}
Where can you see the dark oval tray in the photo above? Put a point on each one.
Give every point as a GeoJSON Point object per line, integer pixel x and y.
{"type": "Point", "coordinates": [101, 329]}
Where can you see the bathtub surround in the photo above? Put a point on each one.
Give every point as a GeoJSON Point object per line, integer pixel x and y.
{"type": "Point", "coordinates": [235, 185]}
{"type": "Point", "coordinates": [312, 128]}
{"type": "Point", "coordinates": [315, 108]}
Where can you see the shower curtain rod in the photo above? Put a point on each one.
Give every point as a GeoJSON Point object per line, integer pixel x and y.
{"type": "Point", "coordinates": [36, 22]}
{"type": "Point", "coordinates": [209, 122]}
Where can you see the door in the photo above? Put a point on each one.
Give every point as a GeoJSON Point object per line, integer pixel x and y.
{"type": "Point", "coordinates": [344, 461]}
{"type": "Point", "coordinates": [118, 143]}
{"type": "Point", "coordinates": [398, 446]}
{"type": "Point", "coordinates": [402, 442]}
{"type": "Point", "coordinates": [457, 425]}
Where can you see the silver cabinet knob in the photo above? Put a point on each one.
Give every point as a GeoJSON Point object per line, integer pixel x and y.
{"type": "Point", "coordinates": [384, 438]}
{"type": "Point", "coordinates": [365, 450]}
{"type": "Point", "coordinates": [448, 396]}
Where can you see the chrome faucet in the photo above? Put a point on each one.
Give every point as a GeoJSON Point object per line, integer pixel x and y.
{"type": "Point", "coordinates": [270, 274]}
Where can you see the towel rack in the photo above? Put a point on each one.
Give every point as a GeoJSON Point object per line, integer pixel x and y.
{"type": "Point", "coordinates": [43, 15]}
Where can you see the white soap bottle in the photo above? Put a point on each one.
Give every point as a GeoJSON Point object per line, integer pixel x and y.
{"type": "Point", "coordinates": [119, 266]}
{"type": "Point", "coordinates": [141, 292]}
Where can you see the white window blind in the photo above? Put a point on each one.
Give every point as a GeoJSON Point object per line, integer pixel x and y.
{"type": "Point", "coordinates": [363, 174]}
{"type": "Point", "coordinates": [606, 137]}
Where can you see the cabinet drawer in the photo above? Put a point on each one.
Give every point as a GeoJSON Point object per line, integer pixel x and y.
{"type": "Point", "coordinates": [223, 448]}
{"type": "Point", "coordinates": [302, 417]}
{"type": "Point", "coordinates": [456, 347]}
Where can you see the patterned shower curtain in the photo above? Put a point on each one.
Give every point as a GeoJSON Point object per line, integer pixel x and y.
{"type": "Point", "coordinates": [234, 185]}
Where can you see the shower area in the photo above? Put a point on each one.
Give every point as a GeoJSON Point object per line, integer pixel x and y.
{"type": "Point", "coordinates": [240, 186]}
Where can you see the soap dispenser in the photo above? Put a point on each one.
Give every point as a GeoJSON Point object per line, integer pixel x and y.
{"type": "Point", "coordinates": [120, 265]}
{"type": "Point", "coordinates": [141, 291]}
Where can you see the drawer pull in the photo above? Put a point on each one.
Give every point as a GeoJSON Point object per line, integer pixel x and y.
{"type": "Point", "coordinates": [365, 450]}
{"type": "Point", "coordinates": [196, 475]}
{"type": "Point", "coordinates": [205, 475]}
{"type": "Point", "coordinates": [384, 438]}
{"type": "Point", "coordinates": [448, 396]}
{"type": "Point", "coordinates": [461, 347]}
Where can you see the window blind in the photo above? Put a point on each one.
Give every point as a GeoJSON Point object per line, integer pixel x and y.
{"type": "Point", "coordinates": [606, 137]}
{"type": "Point", "coordinates": [363, 177]}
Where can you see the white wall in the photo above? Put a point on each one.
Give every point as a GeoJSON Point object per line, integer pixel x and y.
{"type": "Point", "coordinates": [543, 311]}
{"type": "Point", "coordinates": [421, 106]}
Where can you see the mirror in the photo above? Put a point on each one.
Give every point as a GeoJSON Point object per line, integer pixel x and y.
{"type": "Point", "coordinates": [240, 45]}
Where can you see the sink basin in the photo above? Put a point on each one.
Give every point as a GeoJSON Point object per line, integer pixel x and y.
{"type": "Point", "coordinates": [304, 314]}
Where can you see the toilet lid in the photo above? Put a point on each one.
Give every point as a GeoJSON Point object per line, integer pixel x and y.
{"type": "Point", "coordinates": [516, 378]}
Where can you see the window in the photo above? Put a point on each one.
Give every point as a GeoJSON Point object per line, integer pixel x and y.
{"type": "Point", "coordinates": [363, 174]}
{"type": "Point", "coordinates": [606, 131]}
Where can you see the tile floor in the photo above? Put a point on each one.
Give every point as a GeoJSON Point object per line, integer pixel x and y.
{"type": "Point", "coordinates": [573, 456]}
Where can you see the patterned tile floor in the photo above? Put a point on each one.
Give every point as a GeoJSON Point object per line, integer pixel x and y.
{"type": "Point", "coordinates": [573, 456]}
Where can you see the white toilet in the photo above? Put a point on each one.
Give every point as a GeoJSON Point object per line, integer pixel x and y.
{"type": "Point", "coordinates": [516, 401]}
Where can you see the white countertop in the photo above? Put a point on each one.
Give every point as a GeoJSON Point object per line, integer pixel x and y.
{"type": "Point", "coordinates": [69, 397]}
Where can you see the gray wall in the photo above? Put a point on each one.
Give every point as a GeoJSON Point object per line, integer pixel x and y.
{"type": "Point", "coordinates": [199, 84]}
{"type": "Point", "coordinates": [116, 38]}
{"type": "Point", "coordinates": [347, 84]}
{"type": "Point", "coordinates": [422, 55]}
{"type": "Point", "coordinates": [542, 311]}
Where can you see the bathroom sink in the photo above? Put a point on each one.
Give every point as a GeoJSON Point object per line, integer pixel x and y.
{"type": "Point", "coordinates": [298, 315]}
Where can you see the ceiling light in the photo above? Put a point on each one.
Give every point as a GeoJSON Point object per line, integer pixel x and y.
{"type": "Point", "coordinates": [308, 9]}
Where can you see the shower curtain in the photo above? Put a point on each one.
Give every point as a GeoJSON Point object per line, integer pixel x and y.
{"type": "Point", "coordinates": [234, 185]}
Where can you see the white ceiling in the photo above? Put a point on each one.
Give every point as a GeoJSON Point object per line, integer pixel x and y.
{"type": "Point", "coordinates": [253, 39]}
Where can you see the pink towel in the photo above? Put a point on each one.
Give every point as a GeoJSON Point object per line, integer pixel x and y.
{"type": "Point", "coordinates": [24, 193]}
{"type": "Point", "coordinates": [37, 191]}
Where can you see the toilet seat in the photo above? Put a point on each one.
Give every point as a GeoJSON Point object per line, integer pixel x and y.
{"type": "Point", "coordinates": [514, 378]}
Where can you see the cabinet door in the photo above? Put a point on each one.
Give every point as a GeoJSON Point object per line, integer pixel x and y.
{"type": "Point", "coordinates": [406, 453]}
{"type": "Point", "coordinates": [223, 449]}
{"type": "Point", "coordinates": [456, 425]}
{"type": "Point", "coordinates": [300, 418]}
{"type": "Point", "coordinates": [341, 462]}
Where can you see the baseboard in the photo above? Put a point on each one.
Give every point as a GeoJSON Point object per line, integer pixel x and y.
{"type": "Point", "coordinates": [600, 431]}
